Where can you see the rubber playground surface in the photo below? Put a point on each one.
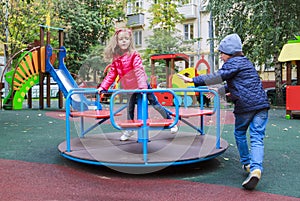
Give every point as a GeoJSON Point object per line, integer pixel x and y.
{"type": "Point", "coordinates": [33, 169]}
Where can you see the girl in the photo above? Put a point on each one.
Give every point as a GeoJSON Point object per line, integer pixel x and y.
{"type": "Point", "coordinates": [250, 100]}
{"type": "Point", "coordinates": [127, 64]}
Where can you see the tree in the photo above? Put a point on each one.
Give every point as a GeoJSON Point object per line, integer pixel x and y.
{"type": "Point", "coordinates": [93, 65]}
{"type": "Point", "coordinates": [88, 23]}
{"type": "Point", "coordinates": [264, 26]}
{"type": "Point", "coordinates": [165, 39]}
{"type": "Point", "coordinates": [162, 42]}
{"type": "Point", "coordinates": [19, 23]}
{"type": "Point", "coordinates": [165, 14]}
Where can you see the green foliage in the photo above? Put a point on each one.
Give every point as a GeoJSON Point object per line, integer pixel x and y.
{"type": "Point", "coordinates": [165, 14]}
{"type": "Point", "coordinates": [22, 19]}
{"type": "Point", "coordinates": [264, 26]}
{"type": "Point", "coordinates": [164, 38]}
{"type": "Point", "coordinates": [163, 42]}
{"type": "Point", "coordinates": [88, 24]}
{"type": "Point", "coordinates": [93, 65]}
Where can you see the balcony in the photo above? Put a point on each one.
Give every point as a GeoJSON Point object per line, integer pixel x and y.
{"type": "Point", "coordinates": [135, 20]}
{"type": "Point", "coordinates": [189, 11]}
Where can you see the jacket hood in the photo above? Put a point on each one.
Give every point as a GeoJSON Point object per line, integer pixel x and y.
{"type": "Point", "coordinates": [231, 44]}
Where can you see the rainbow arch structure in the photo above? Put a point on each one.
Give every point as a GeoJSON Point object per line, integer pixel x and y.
{"type": "Point", "coordinates": [25, 76]}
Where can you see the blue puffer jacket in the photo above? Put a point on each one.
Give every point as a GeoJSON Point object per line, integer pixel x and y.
{"type": "Point", "coordinates": [243, 83]}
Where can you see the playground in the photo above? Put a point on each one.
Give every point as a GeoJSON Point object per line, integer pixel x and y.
{"type": "Point", "coordinates": [74, 152]}
{"type": "Point", "coordinates": [38, 62]}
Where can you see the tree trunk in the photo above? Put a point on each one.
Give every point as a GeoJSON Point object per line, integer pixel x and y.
{"type": "Point", "coordinates": [6, 53]}
{"type": "Point", "coordinates": [278, 82]}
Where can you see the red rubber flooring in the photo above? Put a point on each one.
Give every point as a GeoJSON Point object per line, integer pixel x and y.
{"type": "Point", "coordinates": [35, 181]}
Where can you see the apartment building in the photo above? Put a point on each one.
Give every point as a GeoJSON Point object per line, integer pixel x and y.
{"type": "Point", "coordinates": [196, 24]}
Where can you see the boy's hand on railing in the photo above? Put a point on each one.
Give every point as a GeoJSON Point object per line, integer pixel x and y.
{"type": "Point", "coordinates": [211, 95]}
{"type": "Point", "coordinates": [185, 79]}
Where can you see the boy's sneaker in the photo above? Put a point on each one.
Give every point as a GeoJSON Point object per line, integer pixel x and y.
{"type": "Point", "coordinates": [127, 134]}
{"type": "Point", "coordinates": [246, 168]}
{"type": "Point", "coordinates": [252, 180]}
{"type": "Point", "coordinates": [174, 129]}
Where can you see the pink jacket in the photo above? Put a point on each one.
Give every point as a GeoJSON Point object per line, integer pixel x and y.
{"type": "Point", "coordinates": [130, 70]}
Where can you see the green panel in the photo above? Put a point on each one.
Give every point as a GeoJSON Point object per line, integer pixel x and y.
{"type": "Point", "coordinates": [20, 95]}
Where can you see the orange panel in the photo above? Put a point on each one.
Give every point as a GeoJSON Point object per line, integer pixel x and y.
{"type": "Point", "coordinates": [53, 58]}
{"type": "Point", "coordinates": [43, 60]}
{"type": "Point", "coordinates": [26, 69]}
{"type": "Point", "coordinates": [35, 61]}
{"type": "Point", "coordinates": [292, 98]}
{"type": "Point", "coordinates": [20, 71]}
{"type": "Point", "coordinates": [164, 98]}
{"type": "Point", "coordinates": [17, 84]}
{"type": "Point", "coordinates": [17, 88]}
{"type": "Point", "coordinates": [153, 81]}
{"type": "Point", "coordinates": [29, 62]}
{"type": "Point", "coordinates": [19, 78]}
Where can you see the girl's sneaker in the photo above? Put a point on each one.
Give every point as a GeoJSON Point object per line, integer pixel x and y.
{"type": "Point", "coordinates": [127, 134]}
{"type": "Point", "coordinates": [174, 129]}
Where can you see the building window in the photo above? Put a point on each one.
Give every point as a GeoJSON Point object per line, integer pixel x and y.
{"type": "Point", "coordinates": [190, 2]}
{"type": "Point", "coordinates": [188, 30]}
{"type": "Point", "coordinates": [192, 61]}
{"type": "Point", "coordinates": [129, 8]}
{"type": "Point", "coordinates": [137, 37]}
{"type": "Point", "coordinates": [139, 4]}
{"type": "Point", "coordinates": [134, 7]}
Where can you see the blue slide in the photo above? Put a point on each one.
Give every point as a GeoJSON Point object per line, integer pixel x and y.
{"type": "Point", "coordinates": [64, 79]}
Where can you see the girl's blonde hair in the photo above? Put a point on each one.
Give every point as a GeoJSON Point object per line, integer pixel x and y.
{"type": "Point", "coordinates": [112, 49]}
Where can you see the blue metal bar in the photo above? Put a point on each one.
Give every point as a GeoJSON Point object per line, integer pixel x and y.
{"type": "Point", "coordinates": [144, 109]}
{"type": "Point", "coordinates": [217, 110]}
{"type": "Point", "coordinates": [161, 164]}
{"type": "Point", "coordinates": [116, 92]}
{"type": "Point", "coordinates": [191, 125]}
{"type": "Point", "coordinates": [92, 127]}
{"type": "Point", "coordinates": [68, 143]}
{"type": "Point", "coordinates": [218, 134]}
{"type": "Point", "coordinates": [144, 130]}
{"type": "Point", "coordinates": [68, 112]}
{"type": "Point", "coordinates": [140, 116]}
{"type": "Point", "coordinates": [201, 117]}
